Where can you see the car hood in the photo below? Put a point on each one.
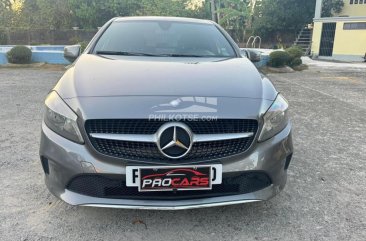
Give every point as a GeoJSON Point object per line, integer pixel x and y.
{"type": "Point", "coordinates": [102, 76]}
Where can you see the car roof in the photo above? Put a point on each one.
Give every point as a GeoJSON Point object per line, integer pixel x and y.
{"type": "Point", "coordinates": [171, 19]}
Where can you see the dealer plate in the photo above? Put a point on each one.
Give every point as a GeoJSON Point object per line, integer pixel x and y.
{"type": "Point", "coordinates": [169, 178]}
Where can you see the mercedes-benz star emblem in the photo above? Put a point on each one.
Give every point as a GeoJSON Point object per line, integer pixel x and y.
{"type": "Point", "coordinates": [174, 140]}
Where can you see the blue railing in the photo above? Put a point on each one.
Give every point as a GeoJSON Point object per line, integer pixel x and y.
{"type": "Point", "coordinates": [52, 54]}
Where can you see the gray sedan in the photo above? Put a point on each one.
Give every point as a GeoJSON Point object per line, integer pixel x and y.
{"type": "Point", "coordinates": [164, 113]}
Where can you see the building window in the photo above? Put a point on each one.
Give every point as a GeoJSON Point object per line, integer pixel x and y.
{"type": "Point", "coordinates": [354, 26]}
{"type": "Point", "coordinates": [357, 1]}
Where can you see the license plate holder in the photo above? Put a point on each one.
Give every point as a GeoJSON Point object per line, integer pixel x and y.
{"type": "Point", "coordinates": [133, 174]}
{"type": "Point", "coordinates": [175, 179]}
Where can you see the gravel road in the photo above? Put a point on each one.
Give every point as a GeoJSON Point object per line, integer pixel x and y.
{"type": "Point", "coordinates": [324, 199]}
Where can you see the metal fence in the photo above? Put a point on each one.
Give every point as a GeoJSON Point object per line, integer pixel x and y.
{"type": "Point", "coordinates": [70, 36]}
{"type": "Point", "coordinates": [45, 36]}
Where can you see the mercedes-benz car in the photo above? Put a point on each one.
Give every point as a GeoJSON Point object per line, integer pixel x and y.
{"type": "Point", "coordinates": [164, 113]}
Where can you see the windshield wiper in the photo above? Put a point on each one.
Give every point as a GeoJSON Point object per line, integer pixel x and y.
{"type": "Point", "coordinates": [124, 53]}
{"type": "Point", "coordinates": [197, 56]}
{"type": "Point", "coordinates": [188, 55]}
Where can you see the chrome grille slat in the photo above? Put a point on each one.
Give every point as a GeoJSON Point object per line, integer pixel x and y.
{"type": "Point", "coordinates": [133, 139]}
{"type": "Point", "coordinates": [153, 138]}
{"type": "Point", "coordinates": [145, 126]}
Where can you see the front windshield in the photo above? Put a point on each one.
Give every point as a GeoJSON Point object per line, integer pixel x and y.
{"type": "Point", "coordinates": [164, 38]}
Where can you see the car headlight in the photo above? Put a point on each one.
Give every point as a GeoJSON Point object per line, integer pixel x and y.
{"type": "Point", "coordinates": [61, 119]}
{"type": "Point", "coordinates": [275, 119]}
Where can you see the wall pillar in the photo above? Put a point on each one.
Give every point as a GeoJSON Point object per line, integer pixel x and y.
{"type": "Point", "coordinates": [318, 8]}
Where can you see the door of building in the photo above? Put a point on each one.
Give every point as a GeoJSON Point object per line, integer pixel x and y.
{"type": "Point", "coordinates": [327, 39]}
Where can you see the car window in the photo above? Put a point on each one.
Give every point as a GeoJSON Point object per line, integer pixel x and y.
{"type": "Point", "coordinates": [165, 38]}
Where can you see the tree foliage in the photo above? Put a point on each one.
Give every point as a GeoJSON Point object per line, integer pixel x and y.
{"type": "Point", "coordinates": [273, 17]}
{"type": "Point", "coordinates": [49, 14]}
{"type": "Point", "coordinates": [6, 12]}
{"type": "Point", "coordinates": [94, 13]}
{"type": "Point", "coordinates": [267, 17]}
{"type": "Point", "coordinates": [58, 14]}
{"type": "Point", "coordinates": [331, 7]}
{"type": "Point", "coordinates": [233, 16]}
{"type": "Point", "coordinates": [164, 8]}
{"type": "Point", "coordinates": [5, 5]}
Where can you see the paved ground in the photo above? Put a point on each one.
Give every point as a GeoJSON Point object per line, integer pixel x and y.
{"type": "Point", "coordinates": [325, 198]}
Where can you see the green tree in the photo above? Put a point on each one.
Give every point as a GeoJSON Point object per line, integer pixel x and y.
{"type": "Point", "coordinates": [49, 14]}
{"type": "Point", "coordinates": [6, 13]}
{"type": "Point", "coordinates": [281, 17]}
{"type": "Point", "coordinates": [332, 6]}
{"type": "Point", "coordinates": [54, 13]}
{"type": "Point", "coordinates": [60, 14]}
{"type": "Point", "coordinates": [275, 17]}
{"type": "Point", "coordinates": [176, 8]}
{"type": "Point", "coordinates": [233, 15]}
{"type": "Point", "coordinates": [94, 13]}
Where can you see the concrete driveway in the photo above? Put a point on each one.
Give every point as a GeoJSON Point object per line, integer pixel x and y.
{"type": "Point", "coordinates": [325, 197]}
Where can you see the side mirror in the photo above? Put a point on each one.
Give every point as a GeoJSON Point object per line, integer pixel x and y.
{"type": "Point", "coordinates": [252, 55]}
{"type": "Point", "coordinates": [71, 53]}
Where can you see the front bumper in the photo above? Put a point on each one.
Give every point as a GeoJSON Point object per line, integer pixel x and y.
{"type": "Point", "coordinates": [62, 160]}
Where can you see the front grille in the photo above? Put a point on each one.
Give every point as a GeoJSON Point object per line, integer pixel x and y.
{"type": "Point", "coordinates": [146, 126]}
{"type": "Point", "coordinates": [114, 186]}
{"type": "Point", "coordinates": [142, 151]}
